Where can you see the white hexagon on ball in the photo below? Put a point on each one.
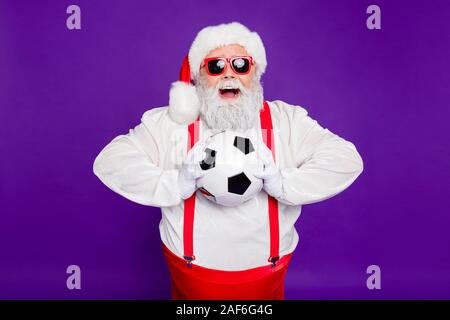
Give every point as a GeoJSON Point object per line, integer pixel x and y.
{"type": "Point", "coordinates": [229, 163]}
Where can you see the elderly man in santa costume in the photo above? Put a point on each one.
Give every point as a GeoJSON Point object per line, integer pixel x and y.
{"type": "Point", "coordinates": [214, 251]}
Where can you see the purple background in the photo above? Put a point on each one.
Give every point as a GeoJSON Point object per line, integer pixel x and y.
{"type": "Point", "coordinates": [65, 94]}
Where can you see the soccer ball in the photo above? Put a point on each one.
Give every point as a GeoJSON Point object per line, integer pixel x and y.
{"type": "Point", "coordinates": [229, 163]}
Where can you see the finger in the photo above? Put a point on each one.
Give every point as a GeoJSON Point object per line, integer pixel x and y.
{"type": "Point", "coordinates": [263, 148]}
{"type": "Point", "coordinates": [260, 175]}
{"type": "Point", "coordinates": [196, 153]}
{"type": "Point", "coordinates": [268, 153]}
{"type": "Point", "coordinates": [199, 174]}
{"type": "Point", "coordinates": [200, 156]}
{"type": "Point", "coordinates": [264, 156]}
{"type": "Point", "coordinates": [199, 147]}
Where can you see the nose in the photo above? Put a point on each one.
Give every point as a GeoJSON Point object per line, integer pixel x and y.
{"type": "Point", "coordinates": [228, 74]}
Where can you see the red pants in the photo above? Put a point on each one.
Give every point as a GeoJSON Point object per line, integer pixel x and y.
{"type": "Point", "coordinates": [199, 283]}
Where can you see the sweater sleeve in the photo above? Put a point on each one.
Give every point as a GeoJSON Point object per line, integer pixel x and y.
{"type": "Point", "coordinates": [326, 164]}
{"type": "Point", "coordinates": [128, 165]}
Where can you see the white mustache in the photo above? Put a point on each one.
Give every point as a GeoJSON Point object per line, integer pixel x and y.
{"type": "Point", "coordinates": [230, 84]}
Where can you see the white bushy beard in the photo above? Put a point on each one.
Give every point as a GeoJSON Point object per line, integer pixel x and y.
{"type": "Point", "coordinates": [240, 114]}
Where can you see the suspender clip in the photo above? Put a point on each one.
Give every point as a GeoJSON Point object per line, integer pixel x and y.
{"type": "Point", "coordinates": [189, 260]}
{"type": "Point", "coordinates": [274, 260]}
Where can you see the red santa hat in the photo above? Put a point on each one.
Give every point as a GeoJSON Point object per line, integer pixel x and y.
{"type": "Point", "coordinates": [184, 105]}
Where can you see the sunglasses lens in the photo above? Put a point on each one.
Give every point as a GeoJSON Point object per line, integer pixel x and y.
{"type": "Point", "coordinates": [241, 65]}
{"type": "Point", "coordinates": [216, 66]}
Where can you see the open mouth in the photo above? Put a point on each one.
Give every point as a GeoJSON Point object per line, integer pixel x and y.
{"type": "Point", "coordinates": [229, 93]}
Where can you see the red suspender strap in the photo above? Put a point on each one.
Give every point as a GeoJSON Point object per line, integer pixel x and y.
{"type": "Point", "coordinates": [189, 203]}
{"type": "Point", "coordinates": [267, 133]}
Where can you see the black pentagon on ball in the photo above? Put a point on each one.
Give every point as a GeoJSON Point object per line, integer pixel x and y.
{"type": "Point", "coordinates": [243, 144]}
{"type": "Point", "coordinates": [210, 161]}
{"type": "Point", "coordinates": [238, 184]}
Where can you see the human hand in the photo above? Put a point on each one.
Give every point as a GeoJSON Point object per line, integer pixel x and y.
{"type": "Point", "coordinates": [190, 170]}
{"type": "Point", "coordinates": [270, 174]}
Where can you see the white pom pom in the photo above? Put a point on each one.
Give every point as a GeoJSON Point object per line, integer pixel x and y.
{"type": "Point", "coordinates": [184, 105]}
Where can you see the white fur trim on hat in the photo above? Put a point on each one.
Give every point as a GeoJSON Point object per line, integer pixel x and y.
{"type": "Point", "coordinates": [184, 106]}
{"type": "Point", "coordinates": [213, 37]}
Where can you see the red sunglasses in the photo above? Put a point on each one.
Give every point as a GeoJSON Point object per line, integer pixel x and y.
{"type": "Point", "coordinates": [215, 66]}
